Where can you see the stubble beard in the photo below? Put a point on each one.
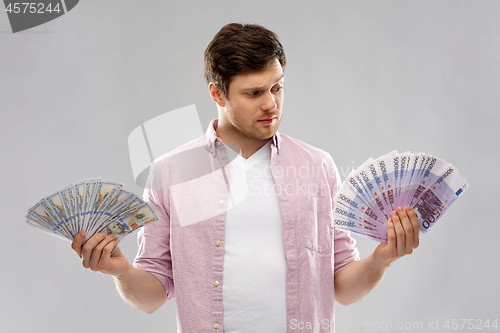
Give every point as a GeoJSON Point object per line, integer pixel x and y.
{"type": "Point", "coordinates": [251, 133]}
{"type": "Point", "coordinates": [262, 135]}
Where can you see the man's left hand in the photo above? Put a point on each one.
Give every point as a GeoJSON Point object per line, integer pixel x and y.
{"type": "Point", "coordinates": [403, 232]}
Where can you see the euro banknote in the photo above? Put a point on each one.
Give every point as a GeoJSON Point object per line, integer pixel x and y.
{"type": "Point", "coordinates": [370, 193]}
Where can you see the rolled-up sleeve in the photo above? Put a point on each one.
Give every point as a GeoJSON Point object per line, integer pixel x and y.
{"type": "Point", "coordinates": [154, 255]}
{"type": "Point", "coordinates": [345, 250]}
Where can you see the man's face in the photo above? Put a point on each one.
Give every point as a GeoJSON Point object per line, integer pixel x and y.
{"type": "Point", "coordinates": [254, 104]}
{"type": "Point", "coordinates": [115, 228]}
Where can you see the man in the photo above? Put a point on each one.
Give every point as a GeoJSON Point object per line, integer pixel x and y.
{"type": "Point", "coordinates": [248, 245]}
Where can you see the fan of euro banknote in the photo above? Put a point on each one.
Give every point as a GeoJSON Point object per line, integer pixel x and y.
{"type": "Point", "coordinates": [370, 193]}
{"type": "Point", "coordinates": [93, 206]}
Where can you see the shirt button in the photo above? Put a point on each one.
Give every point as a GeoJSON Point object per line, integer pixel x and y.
{"type": "Point", "coordinates": [221, 202]}
{"type": "Point", "coordinates": [216, 325]}
{"type": "Point", "coordinates": [217, 242]}
{"type": "Point", "coordinates": [224, 164]}
{"type": "Point", "coordinates": [216, 283]}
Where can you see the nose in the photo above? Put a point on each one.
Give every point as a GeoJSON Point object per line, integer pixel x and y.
{"type": "Point", "coordinates": [269, 102]}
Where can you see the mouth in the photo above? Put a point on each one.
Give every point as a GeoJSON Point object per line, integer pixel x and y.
{"type": "Point", "coordinates": [266, 120]}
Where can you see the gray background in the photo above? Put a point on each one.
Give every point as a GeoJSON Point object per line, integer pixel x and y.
{"type": "Point", "coordinates": [363, 78]}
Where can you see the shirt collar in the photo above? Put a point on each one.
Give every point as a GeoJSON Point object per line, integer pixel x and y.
{"type": "Point", "coordinates": [211, 138]}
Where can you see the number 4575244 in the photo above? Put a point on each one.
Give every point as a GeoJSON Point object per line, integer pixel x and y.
{"type": "Point", "coordinates": [31, 7]}
{"type": "Point", "coordinates": [470, 324]}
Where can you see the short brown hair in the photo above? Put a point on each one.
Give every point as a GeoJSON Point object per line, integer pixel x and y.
{"type": "Point", "coordinates": [240, 49]}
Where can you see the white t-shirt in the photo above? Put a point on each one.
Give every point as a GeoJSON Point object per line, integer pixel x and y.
{"type": "Point", "coordinates": [254, 273]}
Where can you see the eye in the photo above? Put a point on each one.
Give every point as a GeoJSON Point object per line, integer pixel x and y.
{"type": "Point", "coordinates": [254, 93]}
{"type": "Point", "coordinates": [278, 89]}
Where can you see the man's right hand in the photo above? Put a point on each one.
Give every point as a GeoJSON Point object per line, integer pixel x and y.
{"type": "Point", "coordinates": [140, 288]}
{"type": "Point", "coordinates": [96, 254]}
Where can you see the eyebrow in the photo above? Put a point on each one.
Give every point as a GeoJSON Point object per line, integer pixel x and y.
{"type": "Point", "coordinates": [260, 88]}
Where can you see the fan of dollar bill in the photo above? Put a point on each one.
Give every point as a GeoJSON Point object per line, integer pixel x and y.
{"type": "Point", "coordinates": [93, 206]}
{"type": "Point", "coordinates": [370, 193]}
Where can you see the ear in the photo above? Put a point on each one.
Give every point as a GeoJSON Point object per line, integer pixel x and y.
{"type": "Point", "coordinates": [216, 94]}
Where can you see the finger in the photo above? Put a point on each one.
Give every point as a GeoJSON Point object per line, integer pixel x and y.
{"type": "Point", "coordinates": [117, 251]}
{"type": "Point", "coordinates": [97, 252]}
{"type": "Point", "coordinates": [416, 226]}
{"type": "Point", "coordinates": [391, 237]}
{"type": "Point", "coordinates": [76, 245]}
{"type": "Point", "coordinates": [400, 234]}
{"type": "Point", "coordinates": [88, 247]}
{"type": "Point", "coordinates": [106, 254]}
{"type": "Point", "coordinates": [408, 229]}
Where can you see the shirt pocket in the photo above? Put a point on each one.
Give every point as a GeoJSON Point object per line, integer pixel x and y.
{"type": "Point", "coordinates": [316, 222]}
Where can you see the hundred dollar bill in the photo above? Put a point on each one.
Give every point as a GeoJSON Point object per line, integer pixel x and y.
{"type": "Point", "coordinates": [83, 189]}
{"type": "Point", "coordinates": [37, 223]}
{"type": "Point", "coordinates": [103, 189]}
{"type": "Point", "coordinates": [91, 205]}
{"type": "Point", "coordinates": [93, 202]}
{"type": "Point", "coordinates": [76, 200]}
{"type": "Point", "coordinates": [61, 210]}
{"type": "Point", "coordinates": [130, 220]}
{"type": "Point", "coordinates": [89, 199]}
{"type": "Point", "coordinates": [109, 200]}
{"type": "Point", "coordinates": [68, 208]}
{"type": "Point", "coordinates": [78, 192]}
{"type": "Point", "coordinates": [38, 212]}
{"type": "Point", "coordinates": [122, 202]}
{"type": "Point", "coordinates": [39, 220]}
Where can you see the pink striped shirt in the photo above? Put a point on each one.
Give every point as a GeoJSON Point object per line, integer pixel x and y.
{"type": "Point", "coordinates": [185, 248]}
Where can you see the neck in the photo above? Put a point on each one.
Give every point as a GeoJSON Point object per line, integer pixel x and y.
{"type": "Point", "coordinates": [242, 145]}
